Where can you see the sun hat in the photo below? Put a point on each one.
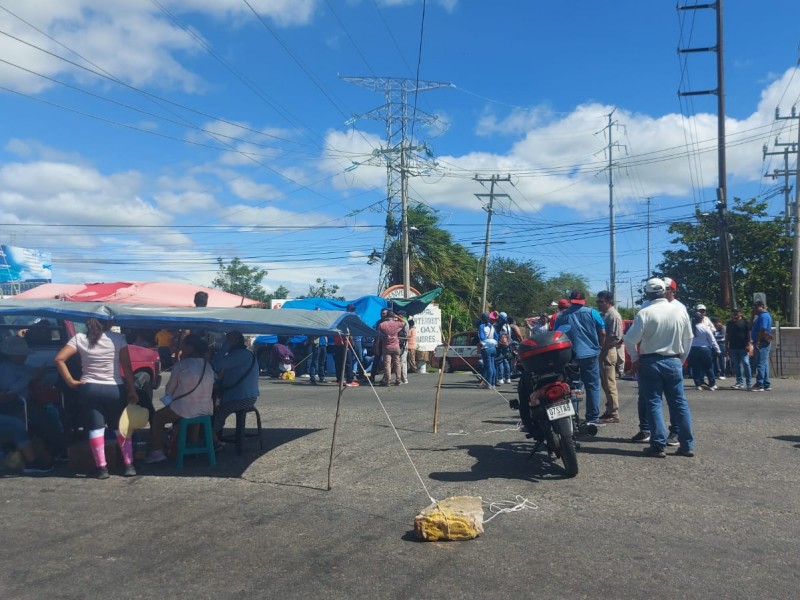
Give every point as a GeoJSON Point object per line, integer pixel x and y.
{"type": "Point", "coordinates": [493, 316]}
{"type": "Point", "coordinates": [133, 417]}
{"type": "Point", "coordinates": [15, 346]}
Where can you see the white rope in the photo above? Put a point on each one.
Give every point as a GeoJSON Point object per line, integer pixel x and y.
{"type": "Point", "coordinates": [499, 507]}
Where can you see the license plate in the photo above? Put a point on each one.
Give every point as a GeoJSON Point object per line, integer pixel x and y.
{"type": "Point", "coordinates": [559, 411]}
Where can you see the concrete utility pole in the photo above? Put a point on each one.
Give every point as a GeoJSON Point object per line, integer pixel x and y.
{"type": "Point", "coordinates": [398, 152]}
{"type": "Point", "coordinates": [726, 272]}
{"type": "Point", "coordinates": [788, 148]}
{"type": "Point", "coordinates": [795, 316]}
{"type": "Point", "coordinates": [491, 195]}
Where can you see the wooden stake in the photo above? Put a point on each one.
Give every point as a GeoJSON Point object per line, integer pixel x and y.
{"type": "Point", "coordinates": [338, 405]}
{"type": "Point", "coordinates": [442, 366]}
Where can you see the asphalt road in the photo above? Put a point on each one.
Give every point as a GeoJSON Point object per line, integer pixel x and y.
{"type": "Point", "coordinates": [721, 525]}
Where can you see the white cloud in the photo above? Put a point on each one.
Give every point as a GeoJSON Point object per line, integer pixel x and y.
{"type": "Point", "coordinates": [247, 189]}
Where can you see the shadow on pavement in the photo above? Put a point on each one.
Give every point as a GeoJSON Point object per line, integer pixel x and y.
{"type": "Point", "coordinates": [788, 438]}
{"type": "Point", "coordinates": [507, 460]}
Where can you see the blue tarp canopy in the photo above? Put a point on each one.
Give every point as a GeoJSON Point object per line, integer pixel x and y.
{"type": "Point", "coordinates": [367, 307]}
{"type": "Point", "coordinates": [246, 320]}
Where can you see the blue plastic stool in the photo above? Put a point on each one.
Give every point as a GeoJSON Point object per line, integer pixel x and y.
{"type": "Point", "coordinates": [203, 448]}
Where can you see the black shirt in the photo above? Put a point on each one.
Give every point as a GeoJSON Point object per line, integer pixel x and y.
{"type": "Point", "coordinates": [738, 334]}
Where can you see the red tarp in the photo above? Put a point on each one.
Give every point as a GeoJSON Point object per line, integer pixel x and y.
{"type": "Point", "coordinates": [155, 293]}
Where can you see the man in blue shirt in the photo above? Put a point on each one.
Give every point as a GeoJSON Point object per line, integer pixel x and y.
{"type": "Point", "coordinates": [587, 332]}
{"type": "Point", "coordinates": [762, 343]}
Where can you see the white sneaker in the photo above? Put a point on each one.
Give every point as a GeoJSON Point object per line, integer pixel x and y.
{"type": "Point", "coordinates": [699, 387]}
{"type": "Point", "coordinates": [713, 388]}
{"type": "Point", "coordinates": [508, 381]}
{"type": "Point", "coordinates": [720, 377]}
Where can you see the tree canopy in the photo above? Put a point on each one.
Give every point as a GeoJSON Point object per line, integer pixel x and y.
{"type": "Point", "coordinates": [760, 258]}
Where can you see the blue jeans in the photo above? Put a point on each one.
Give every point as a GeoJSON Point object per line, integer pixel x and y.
{"type": "Point", "coordinates": [644, 424]}
{"type": "Point", "coordinates": [501, 363]}
{"type": "Point", "coordinates": [741, 363]}
{"type": "Point", "coordinates": [761, 355]}
{"type": "Point", "coordinates": [487, 354]}
{"type": "Point", "coordinates": [701, 364]}
{"type": "Point", "coordinates": [590, 376]}
{"type": "Point", "coordinates": [662, 375]}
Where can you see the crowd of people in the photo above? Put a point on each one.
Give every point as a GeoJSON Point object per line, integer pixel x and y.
{"type": "Point", "coordinates": [664, 336]}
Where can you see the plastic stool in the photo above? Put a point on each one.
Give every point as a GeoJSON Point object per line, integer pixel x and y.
{"type": "Point", "coordinates": [203, 448]}
{"type": "Point", "coordinates": [241, 417]}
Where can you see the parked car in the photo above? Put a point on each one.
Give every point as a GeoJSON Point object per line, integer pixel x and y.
{"type": "Point", "coordinates": [464, 353]}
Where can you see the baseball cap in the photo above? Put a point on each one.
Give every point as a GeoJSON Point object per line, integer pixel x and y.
{"type": "Point", "coordinates": [654, 285]}
{"type": "Point", "coordinates": [700, 307]}
{"type": "Point", "coordinates": [563, 303]}
{"type": "Point", "coordinates": [577, 297]}
{"type": "Point", "coordinates": [671, 283]}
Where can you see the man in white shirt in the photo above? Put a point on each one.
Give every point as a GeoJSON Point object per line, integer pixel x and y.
{"type": "Point", "coordinates": [663, 334]}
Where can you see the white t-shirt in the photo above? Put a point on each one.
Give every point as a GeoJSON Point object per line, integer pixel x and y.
{"type": "Point", "coordinates": [100, 364]}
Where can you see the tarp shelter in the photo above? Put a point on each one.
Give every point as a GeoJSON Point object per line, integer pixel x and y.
{"type": "Point", "coordinates": [367, 307]}
{"type": "Point", "coordinates": [150, 293]}
{"type": "Point", "coordinates": [278, 322]}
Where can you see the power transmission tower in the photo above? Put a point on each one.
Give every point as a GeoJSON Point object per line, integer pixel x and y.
{"type": "Point", "coordinates": [726, 272]}
{"type": "Point", "coordinates": [494, 179]}
{"type": "Point", "coordinates": [612, 234]}
{"type": "Point", "coordinates": [796, 222]}
{"type": "Point", "coordinates": [398, 153]}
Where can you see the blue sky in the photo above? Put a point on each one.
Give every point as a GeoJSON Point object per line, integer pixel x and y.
{"type": "Point", "coordinates": [143, 139]}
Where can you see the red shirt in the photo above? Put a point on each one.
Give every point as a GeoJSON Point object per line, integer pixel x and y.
{"type": "Point", "coordinates": [390, 329]}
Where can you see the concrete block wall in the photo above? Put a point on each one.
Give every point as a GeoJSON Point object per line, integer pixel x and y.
{"type": "Point", "coordinates": [785, 357]}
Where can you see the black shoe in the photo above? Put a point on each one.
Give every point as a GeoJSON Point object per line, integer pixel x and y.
{"type": "Point", "coordinates": [312, 381]}
{"type": "Point", "coordinates": [641, 437]}
{"type": "Point", "coordinates": [654, 451]}
{"type": "Point", "coordinates": [102, 473]}
{"type": "Point", "coordinates": [130, 471]}
{"type": "Point", "coordinates": [672, 439]}
{"type": "Point", "coordinates": [684, 452]}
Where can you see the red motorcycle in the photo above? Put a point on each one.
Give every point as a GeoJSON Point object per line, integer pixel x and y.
{"type": "Point", "coordinates": [549, 392]}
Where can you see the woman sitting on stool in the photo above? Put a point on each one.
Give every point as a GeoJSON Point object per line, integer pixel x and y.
{"type": "Point", "coordinates": [188, 393]}
{"type": "Point", "coordinates": [237, 371]}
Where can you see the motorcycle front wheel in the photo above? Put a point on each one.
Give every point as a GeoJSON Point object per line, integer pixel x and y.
{"type": "Point", "coordinates": [563, 431]}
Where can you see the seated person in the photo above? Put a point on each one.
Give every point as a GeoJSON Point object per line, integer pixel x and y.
{"type": "Point", "coordinates": [237, 372]}
{"type": "Point", "coordinates": [12, 430]}
{"type": "Point", "coordinates": [283, 356]}
{"type": "Point", "coordinates": [24, 385]}
{"type": "Point", "coordinates": [188, 393]}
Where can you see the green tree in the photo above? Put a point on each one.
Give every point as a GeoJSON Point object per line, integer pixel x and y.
{"type": "Point", "coordinates": [760, 258]}
{"type": "Point", "coordinates": [280, 293]}
{"type": "Point", "coordinates": [323, 289]}
{"type": "Point", "coordinates": [434, 261]}
{"type": "Point", "coordinates": [517, 287]}
{"type": "Point", "coordinates": [240, 279]}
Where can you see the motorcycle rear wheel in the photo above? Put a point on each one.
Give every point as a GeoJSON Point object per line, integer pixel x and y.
{"type": "Point", "coordinates": [563, 433]}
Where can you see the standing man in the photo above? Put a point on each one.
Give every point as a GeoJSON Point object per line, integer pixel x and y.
{"type": "Point", "coordinates": [608, 355]}
{"type": "Point", "coordinates": [663, 334]}
{"type": "Point", "coordinates": [587, 332]}
{"type": "Point", "coordinates": [737, 343]}
{"type": "Point", "coordinates": [761, 335]}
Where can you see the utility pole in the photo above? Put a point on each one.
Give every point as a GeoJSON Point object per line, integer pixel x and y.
{"type": "Point", "coordinates": [611, 221]}
{"type": "Point", "coordinates": [487, 240]}
{"type": "Point", "coordinates": [795, 312]}
{"type": "Point", "coordinates": [726, 272]}
{"type": "Point", "coordinates": [649, 272]}
{"type": "Point", "coordinates": [397, 153]}
{"type": "Point", "coordinates": [788, 148]}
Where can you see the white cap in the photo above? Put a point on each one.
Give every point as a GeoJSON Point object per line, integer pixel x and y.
{"type": "Point", "coordinates": [700, 307]}
{"type": "Point", "coordinates": [655, 285]}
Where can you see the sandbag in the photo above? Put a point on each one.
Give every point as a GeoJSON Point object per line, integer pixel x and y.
{"type": "Point", "coordinates": [452, 519]}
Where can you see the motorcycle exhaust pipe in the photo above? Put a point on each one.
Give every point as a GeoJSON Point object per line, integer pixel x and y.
{"type": "Point", "coordinates": [590, 429]}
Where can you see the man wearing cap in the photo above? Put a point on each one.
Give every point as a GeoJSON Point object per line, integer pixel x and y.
{"type": "Point", "coordinates": [701, 308]}
{"type": "Point", "coordinates": [608, 355]}
{"type": "Point", "coordinates": [737, 343]}
{"type": "Point", "coordinates": [761, 334]}
{"type": "Point", "coordinates": [663, 335]}
{"type": "Point", "coordinates": [587, 332]}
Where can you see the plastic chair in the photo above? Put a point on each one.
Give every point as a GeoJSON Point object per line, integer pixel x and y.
{"type": "Point", "coordinates": [206, 447]}
{"type": "Point", "coordinates": [241, 418]}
